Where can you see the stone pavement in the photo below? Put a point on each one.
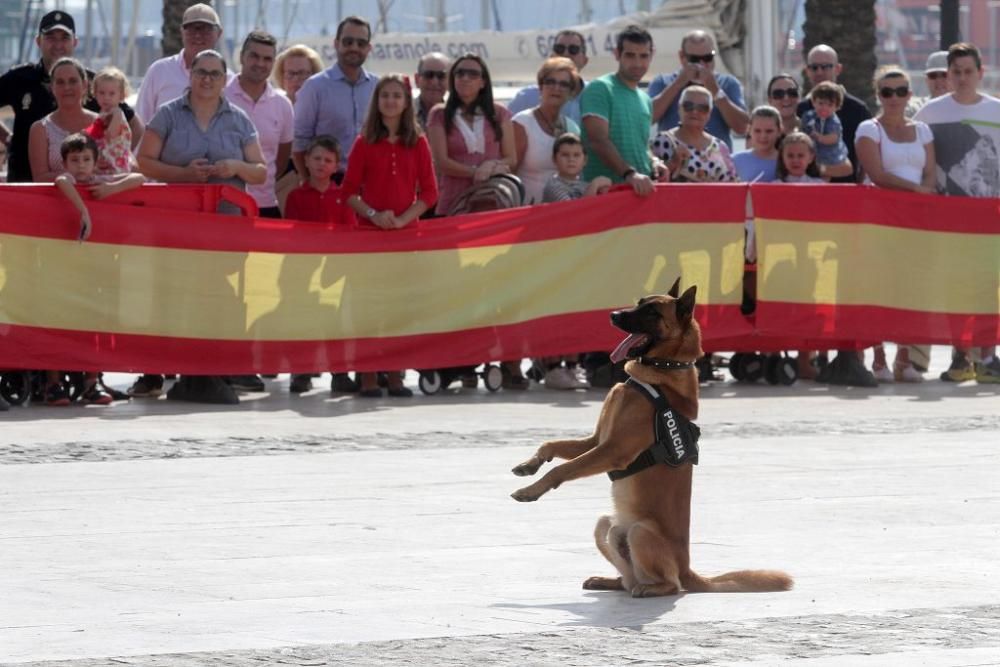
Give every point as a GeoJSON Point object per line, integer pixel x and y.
{"type": "Point", "coordinates": [335, 531]}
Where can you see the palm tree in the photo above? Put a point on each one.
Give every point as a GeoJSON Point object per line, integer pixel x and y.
{"type": "Point", "coordinates": [173, 11]}
{"type": "Point", "coordinates": [849, 27]}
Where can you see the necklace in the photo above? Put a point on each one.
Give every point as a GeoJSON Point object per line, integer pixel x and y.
{"type": "Point", "coordinates": [549, 127]}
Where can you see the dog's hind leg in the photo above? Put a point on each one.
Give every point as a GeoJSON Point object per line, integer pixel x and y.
{"type": "Point", "coordinates": [554, 449]}
{"type": "Point", "coordinates": [612, 542]}
{"type": "Point", "coordinates": [656, 569]}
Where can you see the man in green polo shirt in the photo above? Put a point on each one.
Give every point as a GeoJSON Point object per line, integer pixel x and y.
{"type": "Point", "coordinates": [617, 115]}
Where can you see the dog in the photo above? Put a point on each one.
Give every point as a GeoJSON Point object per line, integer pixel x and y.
{"type": "Point", "coordinates": [647, 538]}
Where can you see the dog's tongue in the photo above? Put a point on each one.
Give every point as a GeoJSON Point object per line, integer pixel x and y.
{"type": "Point", "coordinates": [623, 348]}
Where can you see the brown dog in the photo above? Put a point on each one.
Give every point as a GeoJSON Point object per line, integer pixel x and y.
{"type": "Point", "coordinates": [648, 537]}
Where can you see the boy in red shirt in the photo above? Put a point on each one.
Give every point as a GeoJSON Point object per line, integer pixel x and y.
{"type": "Point", "coordinates": [319, 199]}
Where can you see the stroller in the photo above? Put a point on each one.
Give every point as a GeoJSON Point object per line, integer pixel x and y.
{"type": "Point", "coordinates": [496, 193]}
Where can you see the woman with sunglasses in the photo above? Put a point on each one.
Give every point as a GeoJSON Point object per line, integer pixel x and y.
{"type": "Point", "coordinates": [471, 137]}
{"type": "Point", "coordinates": [536, 129]}
{"type": "Point", "coordinates": [783, 95]}
{"type": "Point", "coordinates": [896, 153]}
{"type": "Point", "coordinates": [691, 153]}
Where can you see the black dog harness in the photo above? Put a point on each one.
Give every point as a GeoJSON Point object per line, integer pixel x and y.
{"type": "Point", "coordinates": [676, 436]}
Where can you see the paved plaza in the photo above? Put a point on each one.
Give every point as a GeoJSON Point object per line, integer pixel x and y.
{"type": "Point", "coordinates": [321, 530]}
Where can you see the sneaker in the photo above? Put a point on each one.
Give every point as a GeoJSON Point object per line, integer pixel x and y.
{"type": "Point", "coordinates": [341, 383]}
{"type": "Point", "coordinates": [94, 396]}
{"type": "Point", "coordinates": [559, 377]}
{"type": "Point", "coordinates": [146, 386]}
{"type": "Point", "coordinates": [203, 389]}
{"type": "Point", "coordinates": [961, 370]}
{"type": "Point", "coordinates": [883, 374]}
{"type": "Point", "coordinates": [988, 373]}
{"type": "Point", "coordinates": [906, 373]}
{"type": "Point", "coordinates": [246, 382]}
{"type": "Point", "coordinates": [4, 405]}
{"type": "Point", "coordinates": [56, 396]}
{"type": "Point", "coordinates": [300, 384]}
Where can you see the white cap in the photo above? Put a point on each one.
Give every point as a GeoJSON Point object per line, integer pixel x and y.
{"type": "Point", "coordinates": [937, 62]}
{"type": "Point", "coordinates": [200, 13]}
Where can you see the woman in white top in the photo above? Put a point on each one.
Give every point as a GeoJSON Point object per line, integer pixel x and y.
{"type": "Point", "coordinates": [535, 130]}
{"type": "Point", "coordinates": [69, 88]}
{"type": "Point", "coordinates": [897, 153]}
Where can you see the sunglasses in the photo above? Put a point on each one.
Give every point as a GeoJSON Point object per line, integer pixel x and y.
{"type": "Point", "coordinates": [464, 73]}
{"type": "Point", "coordinates": [298, 74]}
{"type": "Point", "coordinates": [816, 67]}
{"type": "Point", "coordinates": [563, 49]}
{"type": "Point", "coordinates": [934, 76]}
{"type": "Point", "coordinates": [434, 74]}
{"type": "Point", "coordinates": [694, 59]}
{"type": "Point", "coordinates": [695, 106]}
{"type": "Point", "coordinates": [782, 93]}
{"type": "Point", "coordinates": [899, 91]}
{"type": "Point", "coordinates": [213, 74]}
{"type": "Point", "coordinates": [361, 42]}
{"type": "Point", "coordinates": [565, 85]}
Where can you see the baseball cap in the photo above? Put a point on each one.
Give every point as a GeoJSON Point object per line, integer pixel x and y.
{"type": "Point", "coordinates": [937, 62]}
{"type": "Point", "coordinates": [200, 13]}
{"type": "Point", "coordinates": [57, 20]}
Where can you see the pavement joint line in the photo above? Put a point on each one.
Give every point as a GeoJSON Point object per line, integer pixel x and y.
{"type": "Point", "coordinates": [271, 445]}
{"type": "Point", "coordinates": [640, 642]}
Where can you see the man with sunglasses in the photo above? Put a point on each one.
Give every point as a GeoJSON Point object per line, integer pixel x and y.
{"type": "Point", "coordinates": [822, 64]}
{"type": "Point", "coordinates": [936, 75]}
{"type": "Point", "coordinates": [168, 78]}
{"type": "Point", "coordinates": [335, 101]}
{"type": "Point", "coordinates": [966, 128]}
{"type": "Point", "coordinates": [432, 81]}
{"type": "Point", "coordinates": [568, 44]}
{"type": "Point", "coordinates": [697, 59]}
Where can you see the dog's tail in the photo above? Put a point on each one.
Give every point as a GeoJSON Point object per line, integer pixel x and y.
{"type": "Point", "coordinates": [740, 581]}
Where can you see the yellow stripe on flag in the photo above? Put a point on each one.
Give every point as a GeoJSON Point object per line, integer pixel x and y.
{"type": "Point", "coordinates": [271, 296]}
{"type": "Point", "coordinates": [862, 264]}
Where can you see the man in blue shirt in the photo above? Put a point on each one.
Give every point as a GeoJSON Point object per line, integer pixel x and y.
{"type": "Point", "coordinates": [697, 57]}
{"type": "Point", "coordinates": [335, 101]}
{"type": "Point", "coordinates": [568, 44]}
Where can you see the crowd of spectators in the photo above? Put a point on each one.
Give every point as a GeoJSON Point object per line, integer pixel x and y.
{"type": "Point", "coordinates": [338, 144]}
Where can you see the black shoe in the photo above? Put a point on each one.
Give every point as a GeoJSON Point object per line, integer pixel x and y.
{"type": "Point", "coordinates": [300, 383]}
{"type": "Point", "coordinates": [402, 392]}
{"type": "Point", "coordinates": [371, 393]}
{"type": "Point", "coordinates": [343, 384]}
{"type": "Point", "coordinates": [146, 386]}
{"type": "Point", "coordinates": [4, 405]}
{"type": "Point", "coordinates": [203, 389]}
{"type": "Point", "coordinates": [846, 369]}
{"type": "Point", "coordinates": [246, 382]}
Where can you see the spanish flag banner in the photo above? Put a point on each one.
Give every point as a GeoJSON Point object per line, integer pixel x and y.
{"type": "Point", "coordinates": [164, 285]}
{"type": "Point", "coordinates": [863, 263]}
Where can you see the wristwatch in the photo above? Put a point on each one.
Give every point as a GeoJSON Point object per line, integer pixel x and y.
{"type": "Point", "coordinates": [628, 172]}
{"type": "Point", "coordinates": [370, 213]}
{"type": "Point", "coordinates": [721, 95]}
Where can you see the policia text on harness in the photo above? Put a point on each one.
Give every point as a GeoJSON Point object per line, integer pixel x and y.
{"type": "Point", "coordinates": [675, 436]}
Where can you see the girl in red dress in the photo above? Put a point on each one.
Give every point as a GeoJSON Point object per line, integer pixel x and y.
{"type": "Point", "coordinates": [390, 180]}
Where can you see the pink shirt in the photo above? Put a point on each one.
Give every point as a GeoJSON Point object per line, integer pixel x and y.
{"type": "Point", "coordinates": [274, 119]}
{"type": "Point", "coordinates": [165, 80]}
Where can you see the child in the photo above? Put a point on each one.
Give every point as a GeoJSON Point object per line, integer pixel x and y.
{"type": "Point", "coordinates": [566, 184]}
{"type": "Point", "coordinates": [759, 163]}
{"type": "Point", "coordinates": [797, 159]}
{"type": "Point", "coordinates": [821, 123]}
{"type": "Point", "coordinates": [319, 199]}
{"type": "Point", "coordinates": [390, 179]}
{"type": "Point", "coordinates": [111, 131]}
{"type": "Point", "coordinates": [80, 154]}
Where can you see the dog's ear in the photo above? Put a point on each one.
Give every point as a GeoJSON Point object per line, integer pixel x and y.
{"type": "Point", "coordinates": [676, 289]}
{"type": "Point", "coordinates": [685, 304]}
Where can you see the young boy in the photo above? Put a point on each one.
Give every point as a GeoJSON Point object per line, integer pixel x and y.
{"type": "Point", "coordinates": [821, 123]}
{"type": "Point", "coordinates": [319, 199]}
{"type": "Point", "coordinates": [79, 154]}
{"type": "Point", "coordinates": [565, 184]}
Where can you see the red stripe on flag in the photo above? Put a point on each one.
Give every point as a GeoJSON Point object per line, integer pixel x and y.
{"type": "Point", "coordinates": [34, 347]}
{"type": "Point", "coordinates": [863, 204]}
{"type": "Point", "coordinates": [42, 212]}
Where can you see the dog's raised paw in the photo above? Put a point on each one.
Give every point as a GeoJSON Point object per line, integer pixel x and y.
{"type": "Point", "coordinates": [525, 496]}
{"type": "Point", "coordinates": [528, 468]}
